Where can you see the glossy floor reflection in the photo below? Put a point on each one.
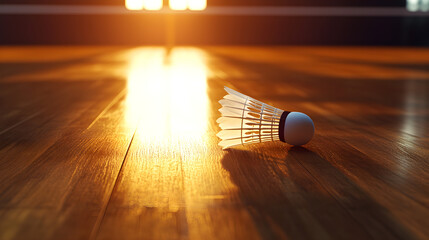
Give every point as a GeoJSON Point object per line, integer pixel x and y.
{"type": "Point", "coordinates": [167, 94]}
{"type": "Point", "coordinates": [120, 143]}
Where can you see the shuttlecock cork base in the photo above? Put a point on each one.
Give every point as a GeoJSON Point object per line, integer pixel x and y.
{"type": "Point", "coordinates": [246, 120]}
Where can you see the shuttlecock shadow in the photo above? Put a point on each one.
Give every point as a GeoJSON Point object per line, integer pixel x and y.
{"type": "Point", "coordinates": [298, 194]}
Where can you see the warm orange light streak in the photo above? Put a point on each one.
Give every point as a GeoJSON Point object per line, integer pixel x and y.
{"type": "Point", "coordinates": [153, 4]}
{"type": "Point", "coordinates": [168, 106]}
{"type": "Point", "coordinates": [188, 81]}
{"type": "Point", "coordinates": [168, 99]}
{"type": "Point", "coordinates": [145, 86]}
{"type": "Point", "coordinates": [178, 4]}
{"type": "Point", "coordinates": [134, 4]}
{"type": "Point", "coordinates": [197, 5]}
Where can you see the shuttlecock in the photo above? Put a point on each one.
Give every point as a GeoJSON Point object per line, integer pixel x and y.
{"type": "Point", "coordinates": [246, 120]}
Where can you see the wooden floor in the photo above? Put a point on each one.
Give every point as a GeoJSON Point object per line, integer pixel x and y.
{"type": "Point", "coordinates": [120, 143]}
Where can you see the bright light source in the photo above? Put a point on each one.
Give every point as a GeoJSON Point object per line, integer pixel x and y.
{"type": "Point", "coordinates": [194, 5]}
{"type": "Point", "coordinates": [413, 5]}
{"type": "Point", "coordinates": [197, 5]}
{"type": "Point", "coordinates": [134, 4]}
{"type": "Point", "coordinates": [418, 5]}
{"type": "Point", "coordinates": [153, 4]}
{"type": "Point", "coordinates": [178, 4]}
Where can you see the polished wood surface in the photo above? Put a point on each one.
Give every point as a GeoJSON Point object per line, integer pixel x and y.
{"type": "Point", "coordinates": [120, 143]}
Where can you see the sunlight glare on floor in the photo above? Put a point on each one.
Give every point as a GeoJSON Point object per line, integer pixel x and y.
{"type": "Point", "coordinates": [168, 98]}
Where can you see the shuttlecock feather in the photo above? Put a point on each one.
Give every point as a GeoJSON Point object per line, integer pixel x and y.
{"type": "Point", "coordinates": [246, 120]}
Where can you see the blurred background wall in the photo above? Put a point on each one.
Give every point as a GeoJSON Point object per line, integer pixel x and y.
{"type": "Point", "coordinates": [244, 22]}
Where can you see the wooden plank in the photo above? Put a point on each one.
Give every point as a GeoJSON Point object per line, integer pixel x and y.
{"type": "Point", "coordinates": [364, 175]}
{"type": "Point", "coordinates": [53, 119]}
{"type": "Point", "coordinates": [62, 171]}
{"type": "Point", "coordinates": [70, 183]}
{"type": "Point", "coordinates": [418, 184]}
{"type": "Point", "coordinates": [364, 170]}
{"type": "Point", "coordinates": [213, 196]}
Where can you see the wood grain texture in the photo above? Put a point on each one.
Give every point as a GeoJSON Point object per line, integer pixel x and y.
{"type": "Point", "coordinates": [120, 143]}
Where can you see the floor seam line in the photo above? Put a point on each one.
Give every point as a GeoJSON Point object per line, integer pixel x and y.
{"type": "Point", "coordinates": [116, 99]}
{"type": "Point", "coordinates": [101, 216]}
{"type": "Point", "coordinates": [20, 122]}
